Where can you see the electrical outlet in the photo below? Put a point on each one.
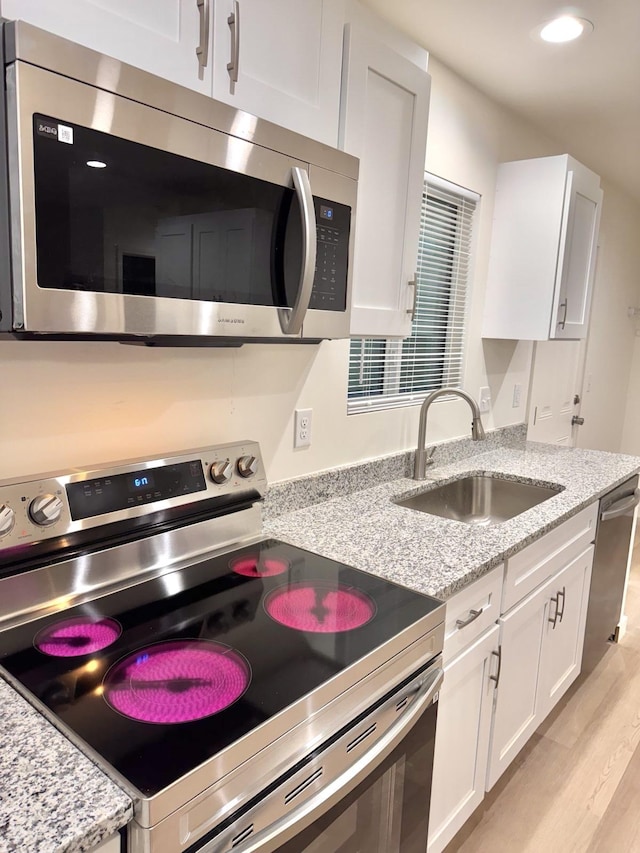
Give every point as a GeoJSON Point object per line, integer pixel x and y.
{"type": "Point", "coordinates": [302, 428]}
{"type": "Point", "coordinates": [484, 399]}
{"type": "Point", "coordinates": [517, 394]}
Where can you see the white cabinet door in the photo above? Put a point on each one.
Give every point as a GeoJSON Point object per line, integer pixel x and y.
{"type": "Point", "coordinates": [564, 636]}
{"type": "Point", "coordinates": [577, 254]}
{"type": "Point", "coordinates": [543, 247]}
{"type": "Point", "coordinates": [515, 718]}
{"type": "Point", "coordinates": [383, 121]}
{"type": "Point", "coordinates": [111, 845]}
{"type": "Point", "coordinates": [160, 36]}
{"type": "Point", "coordinates": [462, 739]}
{"type": "Point", "coordinates": [281, 60]}
{"type": "Point", "coordinates": [541, 641]}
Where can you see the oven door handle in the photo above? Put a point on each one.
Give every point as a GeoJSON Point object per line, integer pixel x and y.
{"type": "Point", "coordinates": [288, 826]}
{"type": "Point", "coordinates": [291, 318]}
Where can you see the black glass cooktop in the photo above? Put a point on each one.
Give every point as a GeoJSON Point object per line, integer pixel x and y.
{"type": "Point", "coordinates": [162, 676]}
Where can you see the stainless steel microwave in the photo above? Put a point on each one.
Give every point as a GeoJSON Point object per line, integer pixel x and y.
{"type": "Point", "coordinates": [137, 210]}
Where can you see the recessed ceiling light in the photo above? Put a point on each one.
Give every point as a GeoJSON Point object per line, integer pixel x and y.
{"type": "Point", "coordinates": [564, 28]}
{"type": "Point", "coordinates": [96, 164]}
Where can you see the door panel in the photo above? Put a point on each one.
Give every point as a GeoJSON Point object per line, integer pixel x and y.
{"type": "Point", "coordinates": [564, 637]}
{"type": "Point", "coordinates": [556, 378]}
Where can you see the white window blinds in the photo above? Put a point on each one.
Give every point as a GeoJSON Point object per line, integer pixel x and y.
{"type": "Point", "coordinates": [385, 373]}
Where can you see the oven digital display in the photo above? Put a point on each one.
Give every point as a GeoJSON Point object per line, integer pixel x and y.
{"type": "Point", "coordinates": [89, 498]}
{"type": "Point", "coordinates": [141, 480]}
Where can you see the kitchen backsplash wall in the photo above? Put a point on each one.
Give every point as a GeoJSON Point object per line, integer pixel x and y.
{"type": "Point", "coordinates": [66, 404]}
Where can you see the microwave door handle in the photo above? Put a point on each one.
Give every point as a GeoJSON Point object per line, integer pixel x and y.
{"type": "Point", "coordinates": [291, 318]}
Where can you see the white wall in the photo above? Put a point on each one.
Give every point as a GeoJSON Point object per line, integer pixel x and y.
{"type": "Point", "coordinates": [70, 404]}
{"type": "Point", "coordinates": [612, 372]}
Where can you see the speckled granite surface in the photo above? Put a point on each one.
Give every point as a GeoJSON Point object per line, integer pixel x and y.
{"type": "Point", "coordinates": [438, 556]}
{"type": "Point", "coordinates": [291, 495]}
{"type": "Point", "coordinates": [52, 798]}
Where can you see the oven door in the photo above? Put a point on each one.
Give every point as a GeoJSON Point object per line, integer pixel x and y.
{"type": "Point", "coordinates": [128, 221]}
{"type": "Point", "coordinates": [367, 789]}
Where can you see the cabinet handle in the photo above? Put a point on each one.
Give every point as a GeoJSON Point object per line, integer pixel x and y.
{"type": "Point", "coordinates": [555, 615]}
{"type": "Point", "coordinates": [562, 593]}
{"type": "Point", "coordinates": [202, 50]}
{"type": "Point", "coordinates": [234, 25]}
{"type": "Point", "coordinates": [473, 615]}
{"type": "Point", "coordinates": [564, 304]}
{"type": "Point", "coordinates": [496, 677]}
{"type": "Point", "coordinates": [413, 282]}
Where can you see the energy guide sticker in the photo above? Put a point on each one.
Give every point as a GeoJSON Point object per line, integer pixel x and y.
{"type": "Point", "coordinates": [65, 134]}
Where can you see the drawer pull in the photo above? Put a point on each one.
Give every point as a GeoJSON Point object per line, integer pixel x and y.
{"type": "Point", "coordinates": [553, 619]}
{"type": "Point", "coordinates": [473, 615]}
{"type": "Point", "coordinates": [496, 677]}
{"type": "Point", "coordinates": [563, 593]}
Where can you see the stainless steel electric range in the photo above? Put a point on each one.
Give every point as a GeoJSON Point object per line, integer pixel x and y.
{"type": "Point", "coordinates": [249, 695]}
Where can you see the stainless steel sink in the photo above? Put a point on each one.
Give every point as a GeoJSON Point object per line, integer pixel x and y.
{"type": "Point", "coordinates": [480, 499]}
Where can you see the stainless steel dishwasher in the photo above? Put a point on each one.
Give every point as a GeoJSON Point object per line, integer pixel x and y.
{"type": "Point", "coordinates": [613, 541]}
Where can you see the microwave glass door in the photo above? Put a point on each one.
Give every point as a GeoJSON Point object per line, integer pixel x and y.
{"type": "Point", "coordinates": [116, 216]}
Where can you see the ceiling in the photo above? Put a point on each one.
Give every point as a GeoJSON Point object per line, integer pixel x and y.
{"type": "Point", "coordinates": [585, 94]}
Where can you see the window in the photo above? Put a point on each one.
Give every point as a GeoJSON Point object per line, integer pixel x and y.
{"type": "Point", "coordinates": [386, 373]}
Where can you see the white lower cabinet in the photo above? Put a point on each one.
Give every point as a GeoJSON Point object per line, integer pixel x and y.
{"type": "Point", "coordinates": [541, 641]}
{"type": "Point", "coordinates": [462, 738]}
{"type": "Point", "coordinates": [502, 680]}
{"type": "Point", "coordinates": [110, 845]}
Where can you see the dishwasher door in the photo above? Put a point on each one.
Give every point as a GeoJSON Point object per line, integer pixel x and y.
{"type": "Point", "coordinates": [613, 543]}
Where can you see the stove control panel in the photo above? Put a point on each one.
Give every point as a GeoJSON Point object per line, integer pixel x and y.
{"type": "Point", "coordinates": [58, 504]}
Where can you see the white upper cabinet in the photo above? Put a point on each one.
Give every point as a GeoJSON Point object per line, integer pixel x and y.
{"type": "Point", "coordinates": [160, 36]}
{"type": "Point", "coordinates": [281, 60]}
{"type": "Point", "coordinates": [383, 121]}
{"type": "Point", "coordinates": [543, 250]}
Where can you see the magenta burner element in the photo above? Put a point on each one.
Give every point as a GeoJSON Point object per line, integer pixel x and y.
{"type": "Point", "coordinates": [80, 635]}
{"type": "Point", "coordinates": [320, 607]}
{"type": "Point", "coordinates": [256, 566]}
{"type": "Point", "coordinates": [177, 681]}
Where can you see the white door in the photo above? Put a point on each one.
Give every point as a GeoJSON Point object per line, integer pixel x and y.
{"type": "Point", "coordinates": [383, 121]}
{"type": "Point", "coordinates": [160, 36]}
{"type": "Point", "coordinates": [577, 255]}
{"type": "Point", "coordinates": [281, 60]}
{"type": "Point", "coordinates": [564, 635]}
{"type": "Point", "coordinates": [556, 380]}
{"type": "Point", "coordinates": [516, 717]}
{"type": "Point", "coordinates": [462, 738]}
{"type": "Point", "coordinates": [173, 252]}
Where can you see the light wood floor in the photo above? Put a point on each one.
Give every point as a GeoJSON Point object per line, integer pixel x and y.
{"type": "Point", "coordinates": [575, 787]}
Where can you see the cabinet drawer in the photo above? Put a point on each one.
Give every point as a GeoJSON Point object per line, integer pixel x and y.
{"type": "Point", "coordinates": [482, 597]}
{"type": "Point", "coordinates": [538, 561]}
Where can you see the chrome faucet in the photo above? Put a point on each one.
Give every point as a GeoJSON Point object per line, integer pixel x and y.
{"type": "Point", "coordinates": [423, 457]}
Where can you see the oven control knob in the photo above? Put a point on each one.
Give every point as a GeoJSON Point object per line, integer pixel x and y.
{"type": "Point", "coordinates": [7, 519]}
{"type": "Point", "coordinates": [221, 472]}
{"type": "Point", "coordinates": [247, 466]}
{"type": "Point", "coordinates": [45, 510]}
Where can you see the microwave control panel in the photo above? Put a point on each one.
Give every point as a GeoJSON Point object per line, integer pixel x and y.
{"type": "Point", "coordinates": [333, 223]}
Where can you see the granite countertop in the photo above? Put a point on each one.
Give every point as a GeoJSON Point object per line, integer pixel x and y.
{"type": "Point", "coordinates": [438, 556]}
{"type": "Point", "coordinates": [55, 800]}
{"type": "Point", "coordinates": [52, 798]}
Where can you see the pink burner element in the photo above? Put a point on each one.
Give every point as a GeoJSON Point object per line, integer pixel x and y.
{"type": "Point", "coordinates": [320, 607]}
{"type": "Point", "coordinates": [81, 635]}
{"type": "Point", "coordinates": [253, 566]}
{"type": "Point", "coordinates": [177, 681]}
